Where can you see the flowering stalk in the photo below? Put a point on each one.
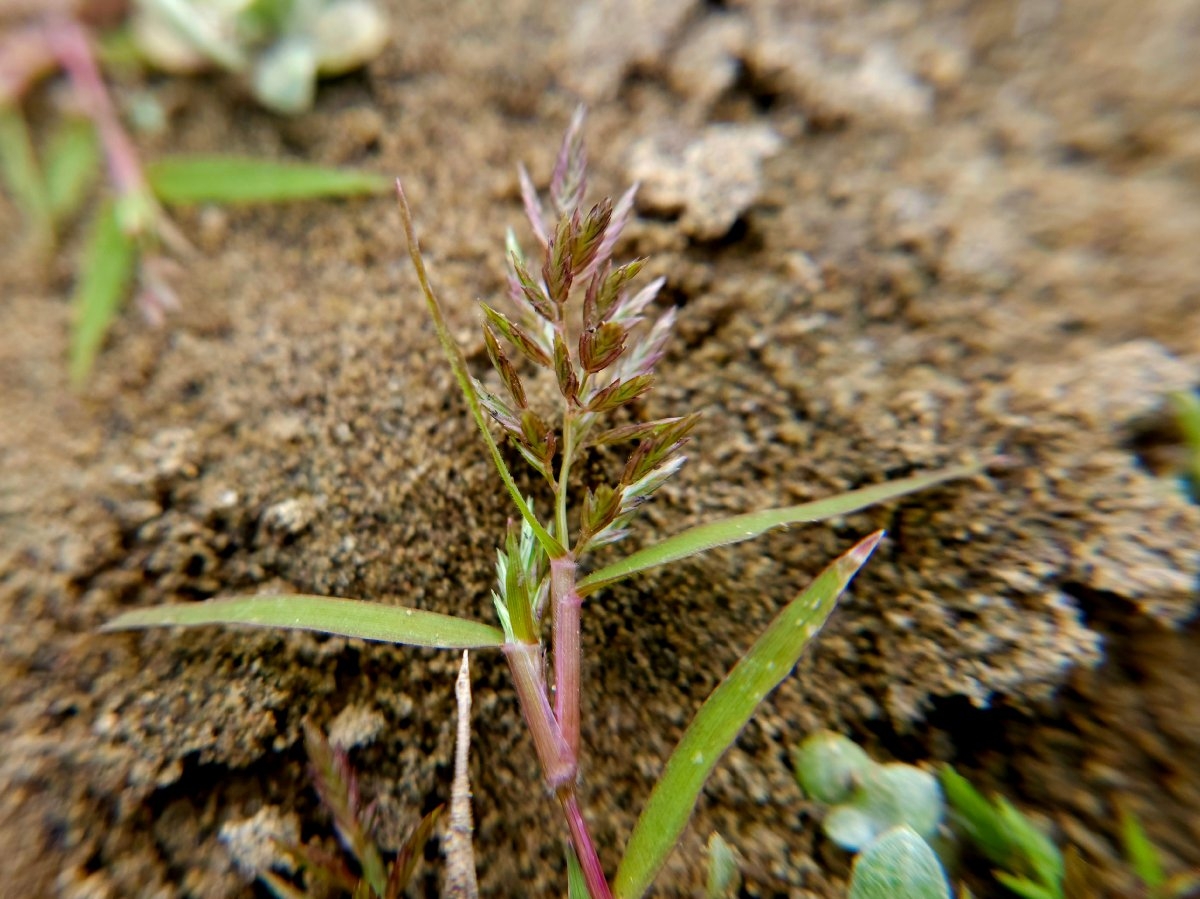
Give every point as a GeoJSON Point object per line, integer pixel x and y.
{"type": "Point", "coordinates": [568, 605]}
{"type": "Point", "coordinates": [578, 318]}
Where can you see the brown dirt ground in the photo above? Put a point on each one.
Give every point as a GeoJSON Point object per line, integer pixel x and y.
{"type": "Point", "coordinates": [979, 236]}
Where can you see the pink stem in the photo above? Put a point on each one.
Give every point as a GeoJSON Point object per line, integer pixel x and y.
{"type": "Point", "coordinates": [585, 849]}
{"type": "Point", "coordinates": [558, 760]}
{"type": "Point", "coordinates": [70, 45]}
{"type": "Point", "coordinates": [567, 605]}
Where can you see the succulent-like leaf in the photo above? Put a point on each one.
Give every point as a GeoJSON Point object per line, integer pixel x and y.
{"type": "Point", "coordinates": [830, 766]}
{"type": "Point", "coordinates": [899, 865]}
{"type": "Point", "coordinates": [724, 878]}
{"type": "Point", "coordinates": [722, 717]}
{"type": "Point", "coordinates": [886, 796]}
{"type": "Point", "coordinates": [346, 617]}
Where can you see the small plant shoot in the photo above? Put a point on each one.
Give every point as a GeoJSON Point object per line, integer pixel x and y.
{"type": "Point", "coordinates": [590, 324]}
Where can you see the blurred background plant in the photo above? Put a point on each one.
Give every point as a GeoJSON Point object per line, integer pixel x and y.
{"type": "Point", "coordinates": [893, 815]}
{"type": "Point", "coordinates": [1187, 414]}
{"type": "Point", "coordinates": [279, 46]}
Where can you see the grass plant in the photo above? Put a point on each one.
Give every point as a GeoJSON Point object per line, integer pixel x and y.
{"type": "Point", "coordinates": [131, 241]}
{"type": "Point", "coordinates": [588, 323]}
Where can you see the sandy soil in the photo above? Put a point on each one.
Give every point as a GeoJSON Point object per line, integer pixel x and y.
{"type": "Point", "coordinates": [976, 233]}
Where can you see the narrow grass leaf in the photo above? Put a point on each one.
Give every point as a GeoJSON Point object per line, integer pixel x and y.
{"type": "Point", "coordinates": [977, 817]}
{"type": "Point", "coordinates": [72, 162]}
{"type": "Point", "coordinates": [22, 177]}
{"type": "Point", "coordinates": [1026, 888]}
{"type": "Point", "coordinates": [576, 883]}
{"type": "Point", "coordinates": [103, 282]}
{"type": "Point", "coordinates": [233, 179]}
{"type": "Point", "coordinates": [722, 717]}
{"type": "Point", "coordinates": [745, 527]}
{"type": "Point", "coordinates": [327, 614]}
{"type": "Point", "coordinates": [1142, 855]}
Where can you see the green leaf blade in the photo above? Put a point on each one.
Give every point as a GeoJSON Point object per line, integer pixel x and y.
{"type": "Point", "coordinates": [72, 162]}
{"type": "Point", "coordinates": [233, 179]}
{"type": "Point", "coordinates": [19, 167]}
{"type": "Point", "coordinates": [1142, 855]}
{"type": "Point", "coordinates": [325, 614]}
{"type": "Point", "coordinates": [577, 887]}
{"type": "Point", "coordinates": [746, 527]}
{"type": "Point", "coordinates": [103, 282]}
{"type": "Point", "coordinates": [722, 717]}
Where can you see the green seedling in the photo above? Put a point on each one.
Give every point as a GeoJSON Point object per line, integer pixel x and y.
{"type": "Point", "coordinates": [724, 878]}
{"type": "Point", "coordinates": [1026, 860]}
{"type": "Point", "coordinates": [883, 812]}
{"type": "Point", "coordinates": [1033, 867]}
{"type": "Point", "coordinates": [1147, 866]}
{"type": "Point", "coordinates": [337, 787]}
{"type": "Point", "coordinates": [898, 865]}
{"type": "Point", "coordinates": [579, 317]}
{"type": "Point", "coordinates": [866, 798]}
{"type": "Point", "coordinates": [130, 239]}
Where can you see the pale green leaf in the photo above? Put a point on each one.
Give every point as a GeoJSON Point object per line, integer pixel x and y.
{"type": "Point", "coordinates": [722, 717]}
{"type": "Point", "coordinates": [898, 865]}
{"type": "Point", "coordinates": [724, 878]}
{"type": "Point", "coordinates": [1143, 856]}
{"type": "Point", "coordinates": [103, 282]}
{"type": "Point", "coordinates": [72, 162]}
{"type": "Point", "coordinates": [233, 179]}
{"type": "Point", "coordinates": [745, 527]}
{"type": "Point", "coordinates": [22, 177]}
{"type": "Point", "coordinates": [344, 617]}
